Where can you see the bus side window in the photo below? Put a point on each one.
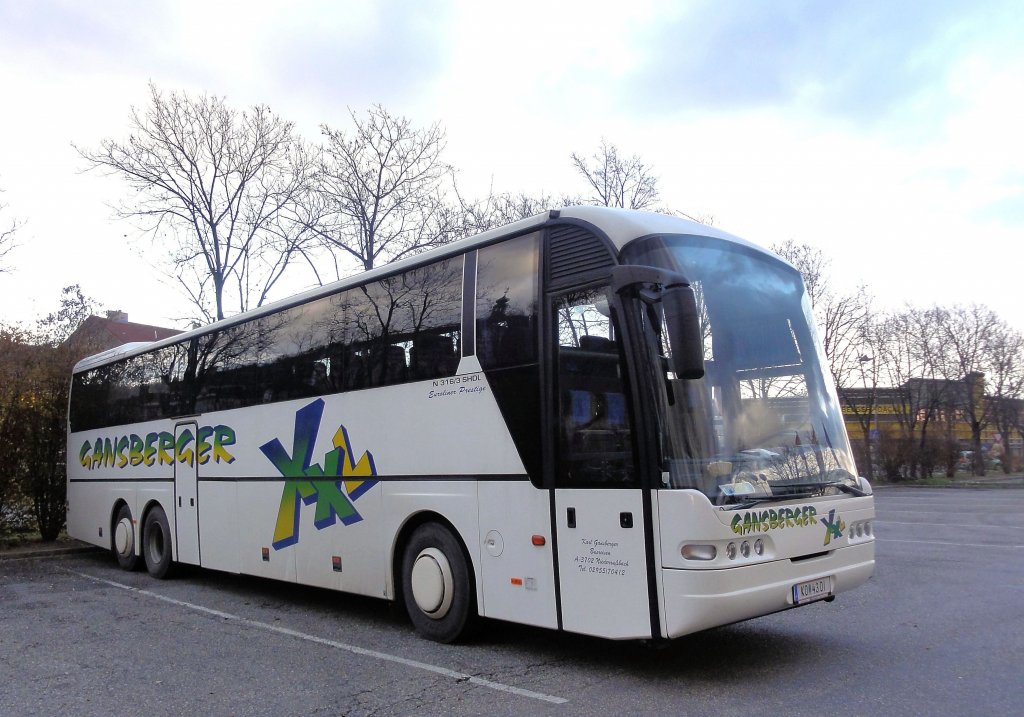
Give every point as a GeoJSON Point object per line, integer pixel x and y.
{"type": "Point", "coordinates": [595, 441]}
{"type": "Point", "coordinates": [506, 303]}
{"type": "Point", "coordinates": [388, 365]}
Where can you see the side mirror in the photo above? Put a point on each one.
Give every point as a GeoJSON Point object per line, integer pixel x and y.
{"type": "Point", "coordinates": [682, 322]}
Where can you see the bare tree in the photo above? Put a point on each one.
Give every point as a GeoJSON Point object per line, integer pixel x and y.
{"type": "Point", "coordinates": [380, 189]}
{"type": "Point", "coordinates": [812, 264]}
{"type": "Point", "coordinates": [497, 210]}
{"type": "Point", "coordinates": [75, 308]}
{"type": "Point", "coordinates": [920, 398]}
{"type": "Point", "coordinates": [221, 185]}
{"type": "Point", "coordinates": [617, 181]}
{"type": "Point", "coordinates": [844, 320]}
{"type": "Point", "coordinates": [7, 245]}
{"type": "Point", "coordinates": [849, 337]}
{"type": "Point", "coordinates": [1006, 386]}
{"type": "Point", "coordinates": [965, 333]}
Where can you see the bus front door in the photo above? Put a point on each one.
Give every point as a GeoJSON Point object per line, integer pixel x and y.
{"type": "Point", "coordinates": [602, 563]}
{"type": "Point", "coordinates": [186, 501]}
{"type": "Point", "coordinates": [599, 504]}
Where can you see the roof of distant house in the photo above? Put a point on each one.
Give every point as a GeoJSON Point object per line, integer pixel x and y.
{"type": "Point", "coordinates": [105, 333]}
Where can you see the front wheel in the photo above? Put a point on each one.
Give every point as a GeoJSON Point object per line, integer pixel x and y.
{"type": "Point", "coordinates": [156, 544]}
{"type": "Point", "coordinates": [124, 539]}
{"type": "Point", "coordinates": [437, 584]}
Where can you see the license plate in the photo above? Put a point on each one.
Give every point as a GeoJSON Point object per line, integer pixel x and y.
{"type": "Point", "coordinates": [812, 590]}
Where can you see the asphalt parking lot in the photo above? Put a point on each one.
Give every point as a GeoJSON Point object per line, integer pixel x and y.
{"type": "Point", "coordinates": [938, 631]}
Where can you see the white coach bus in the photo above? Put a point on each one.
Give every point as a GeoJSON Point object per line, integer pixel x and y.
{"type": "Point", "coordinates": [607, 422]}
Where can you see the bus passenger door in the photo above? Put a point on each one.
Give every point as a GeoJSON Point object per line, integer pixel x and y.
{"type": "Point", "coordinates": [186, 500]}
{"type": "Point", "coordinates": [599, 506]}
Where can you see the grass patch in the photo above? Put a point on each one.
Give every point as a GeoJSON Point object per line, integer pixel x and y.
{"type": "Point", "coordinates": [935, 481]}
{"type": "Point", "coordinates": [10, 541]}
{"type": "Point", "coordinates": [17, 540]}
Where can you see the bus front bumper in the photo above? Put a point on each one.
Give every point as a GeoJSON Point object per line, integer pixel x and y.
{"type": "Point", "coordinates": [696, 600]}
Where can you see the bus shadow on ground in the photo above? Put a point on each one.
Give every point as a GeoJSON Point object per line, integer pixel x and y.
{"type": "Point", "coordinates": [724, 655]}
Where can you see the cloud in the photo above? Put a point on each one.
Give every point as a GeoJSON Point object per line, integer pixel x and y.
{"type": "Point", "coordinates": [386, 52]}
{"type": "Point", "coordinates": [73, 34]}
{"type": "Point", "coordinates": [1007, 211]}
{"type": "Point", "coordinates": [858, 61]}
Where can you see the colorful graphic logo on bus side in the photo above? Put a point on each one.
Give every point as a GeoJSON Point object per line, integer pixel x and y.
{"type": "Point", "coordinates": [314, 483]}
{"type": "Point", "coordinates": [762, 521]}
{"type": "Point", "coordinates": [834, 526]}
{"type": "Point", "coordinates": [159, 449]}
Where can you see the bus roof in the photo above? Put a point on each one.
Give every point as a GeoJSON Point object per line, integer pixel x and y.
{"type": "Point", "coordinates": [621, 226]}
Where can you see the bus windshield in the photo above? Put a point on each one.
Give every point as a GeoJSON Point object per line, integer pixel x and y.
{"type": "Point", "coordinates": [764, 422]}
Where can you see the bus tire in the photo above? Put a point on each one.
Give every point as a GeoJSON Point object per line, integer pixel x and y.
{"type": "Point", "coordinates": [156, 544]}
{"type": "Point", "coordinates": [437, 584]}
{"type": "Point", "coordinates": [123, 539]}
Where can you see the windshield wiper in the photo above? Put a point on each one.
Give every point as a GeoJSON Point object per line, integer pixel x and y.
{"type": "Point", "coordinates": [751, 502]}
{"type": "Point", "coordinates": [847, 488]}
{"type": "Point", "coordinates": [804, 490]}
{"type": "Point", "coordinates": [798, 490]}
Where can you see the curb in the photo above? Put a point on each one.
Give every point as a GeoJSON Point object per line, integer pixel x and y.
{"type": "Point", "coordinates": [1010, 483]}
{"type": "Point", "coordinates": [33, 553]}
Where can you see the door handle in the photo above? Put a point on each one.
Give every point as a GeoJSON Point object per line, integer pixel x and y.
{"type": "Point", "coordinates": [570, 517]}
{"type": "Point", "coordinates": [626, 520]}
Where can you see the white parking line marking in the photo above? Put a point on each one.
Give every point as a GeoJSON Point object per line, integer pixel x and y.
{"type": "Point", "coordinates": [950, 525]}
{"type": "Point", "coordinates": [445, 672]}
{"type": "Point", "coordinates": [940, 542]}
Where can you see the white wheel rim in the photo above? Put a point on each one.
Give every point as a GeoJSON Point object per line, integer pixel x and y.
{"type": "Point", "coordinates": [432, 584]}
{"type": "Point", "coordinates": [123, 537]}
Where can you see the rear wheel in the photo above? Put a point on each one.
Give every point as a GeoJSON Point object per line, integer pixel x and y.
{"type": "Point", "coordinates": [437, 584]}
{"type": "Point", "coordinates": [124, 539]}
{"type": "Point", "coordinates": [156, 544]}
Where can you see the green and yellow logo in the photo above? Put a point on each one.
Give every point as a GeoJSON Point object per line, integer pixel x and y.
{"type": "Point", "coordinates": [332, 486]}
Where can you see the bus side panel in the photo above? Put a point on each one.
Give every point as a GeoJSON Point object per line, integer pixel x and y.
{"type": "Point", "coordinates": [361, 549]}
{"type": "Point", "coordinates": [90, 507]}
{"type": "Point", "coordinates": [343, 556]}
{"type": "Point", "coordinates": [257, 508]}
{"type": "Point", "coordinates": [131, 463]}
{"type": "Point", "coordinates": [454, 501]}
{"type": "Point", "coordinates": [314, 553]}
{"type": "Point", "coordinates": [218, 525]}
{"type": "Point", "coordinates": [516, 575]}
{"type": "Point", "coordinates": [96, 486]}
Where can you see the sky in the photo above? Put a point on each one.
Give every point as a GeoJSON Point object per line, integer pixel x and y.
{"type": "Point", "coordinates": [887, 134]}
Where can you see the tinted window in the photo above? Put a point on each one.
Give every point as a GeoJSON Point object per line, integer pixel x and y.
{"type": "Point", "coordinates": [226, 372]}
{"type": "Point", "coordinates": [406, 327]}
{"type": "Point", "coordinates": [299, 357]}
{"type": "Point", "coordinates": [506, 303]}
{"type": "Point", "coordinates": [595, 442]}
{"type": "Point", "coordinates": [403, 328]}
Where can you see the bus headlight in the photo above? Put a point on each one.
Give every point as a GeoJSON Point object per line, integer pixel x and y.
{"type": "Point", "coordinates": [730, 551]}
{"type": "Point", "coordinates": [699, 552]}
{"type": "Point", "coordinates": [758, 547]}
{"type": "Point", "coordinates": [745, 549]}
{"type": "Point", "coordinates": [860, 530]}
